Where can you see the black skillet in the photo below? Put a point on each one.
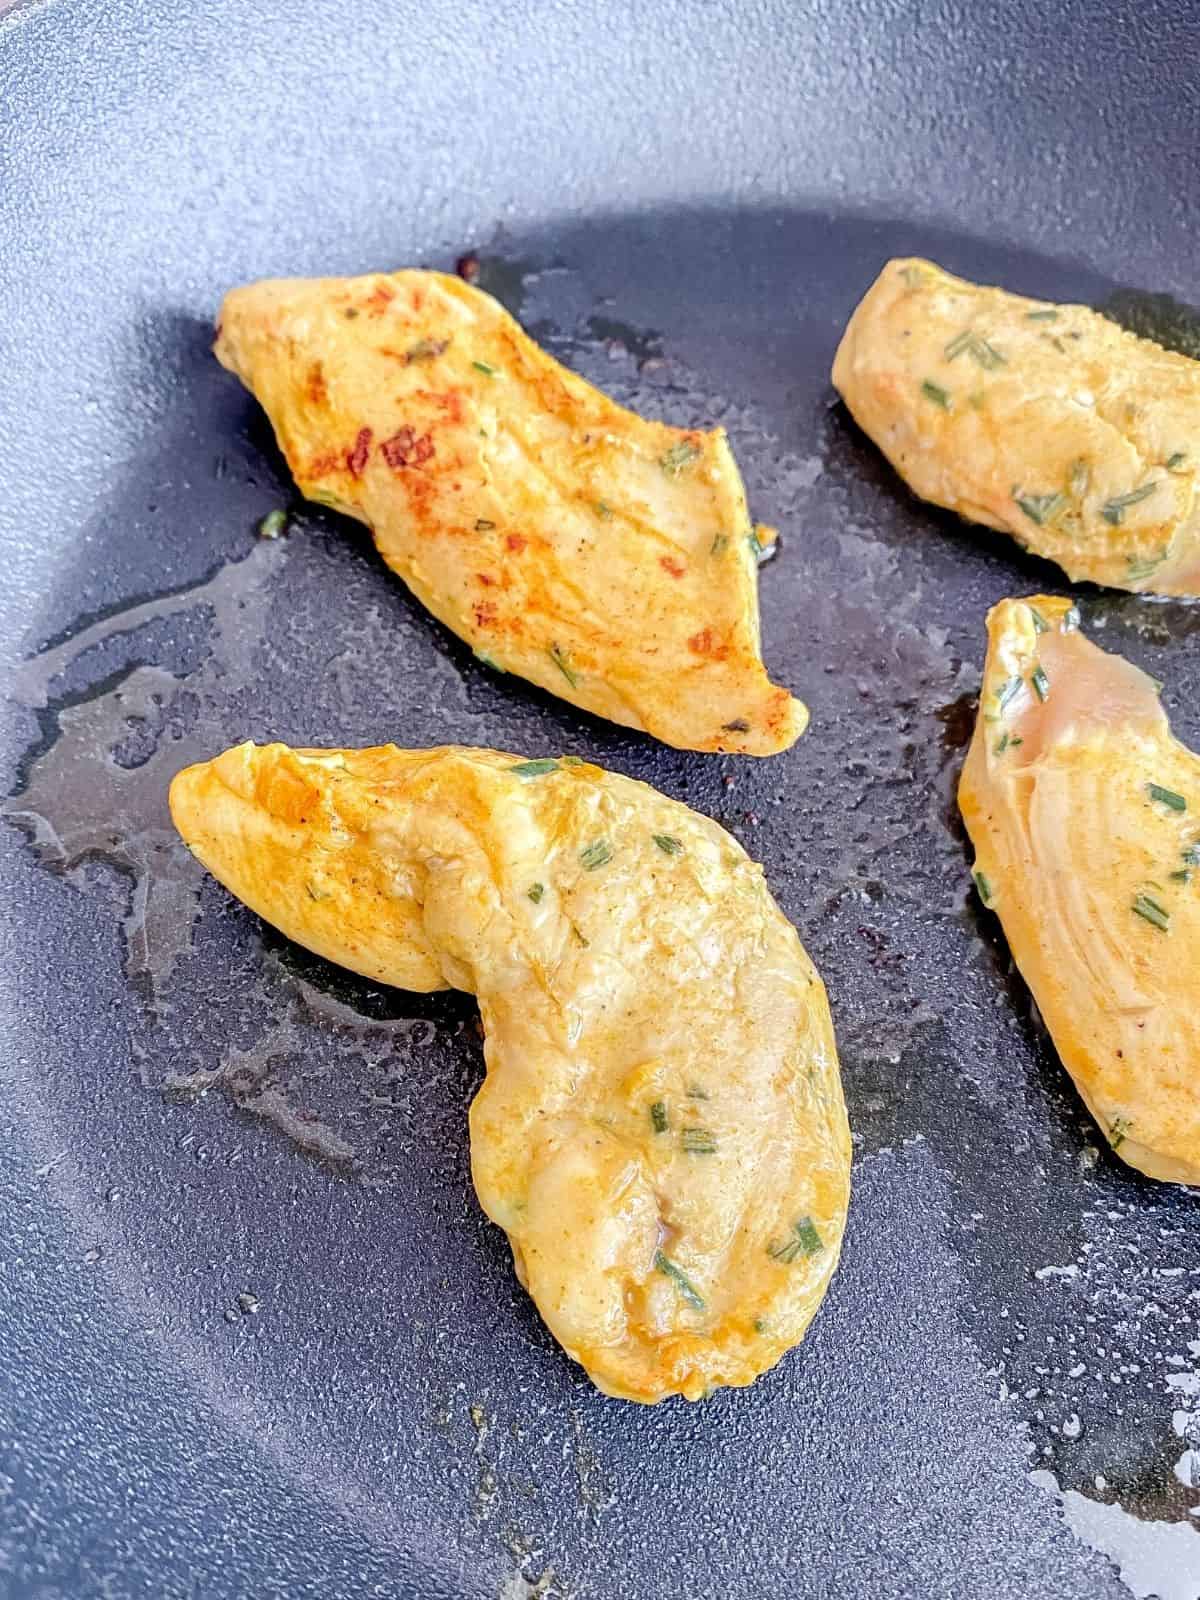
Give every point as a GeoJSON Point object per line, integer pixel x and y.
{"type": "Point", "coordinates": [257, 1338]}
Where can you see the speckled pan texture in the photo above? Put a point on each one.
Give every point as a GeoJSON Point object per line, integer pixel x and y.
{"type": "Point", "coordinates": [258, 1339]}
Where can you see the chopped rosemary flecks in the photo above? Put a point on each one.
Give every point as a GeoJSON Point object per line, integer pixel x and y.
{"type": "Point", "coordinates": [687, 1289]}
{"type": "Point", "coordinates": [935, 392]}
{"type": "Point", "coordinates": [698, 1142]}
{"type": "Point", "coordinates": [1182, 876]}
{"type": "Point", "coordinates": [984, 887]}
{"type": "Point", "coordinates": [720, 542]}
{"type": "Point", "coordinates": [488, 661]}
{"type": "Point", "coordinates": [1118, 1131]}
{"type": "Point", "coordinates": [977, 347]}
{"type": "Point", "coordinates": [1113, 511]}
{"type": "Point", "coordinates": [604, 511]}
{"type": "Point", "coordinates": [668, 843]}
{"type": "Point", "coordinates": [535, 892]}
{"type": "Point", "coordinates": [597, 854]}
{"type": "Point", "coordinates": [1080, 477]}
{"type": "Point", "coordinates": [1047, 315]}
{"type": "Point", "coordinates": [1040, 625]}
{"type": "Point", "coordinates": [760, 1325]}
{"type": "Point", "coordinates": [658, 1117]}
{"type": "Point", "coordinates": [1143, 566]}
{"type": "Point", "coordinates": [482, 366]}
{"type": "Point", "coordinates": [1041, 684]}
{"type": "Point", "coordinates": [695, 1092]}
{"type": "Point", "coordinates": [573, 761]}
{"type": "Point", "coordinates": [804, 1240]}
{"type": "Point", "coordinates": [1150, 910]}
{"type": "Point", "coordinates": [425, 350]}
{"type": "Point", "coordinates": [756, 550]}
{"type": "Point", "coordinates": [1007, 741]}
{"type": "Point", "coordinates": [563, 662]}
{"type": "Point", "coordinates": [484, 525]}
{"type": "Point", "coordinates": [680, 455]}
{"type": "Point", "coordinates": [914, 277]}
{"type": "Point", "coordinates": [1070, 621]}
{"type": "Point", "coordinates": [535, 769]}
{"type": "Point", "coordinates": [273, 525]}
{"type": "Point", "coordinates": [1166, 797]}
{"type": "Point", "coordinates": [1007, 690]}
{"type": "Point", "coordinates": [1176, 461]}
{"type": "Point", "coordinates": [1040, 508]}
{"type": "Point", "coordinates": [1191, 855]}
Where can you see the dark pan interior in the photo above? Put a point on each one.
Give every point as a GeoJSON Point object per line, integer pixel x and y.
{"type": "Point", "coordinates": [258, 1338]}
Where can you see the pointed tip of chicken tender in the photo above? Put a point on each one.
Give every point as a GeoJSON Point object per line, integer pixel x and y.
{"type": "Point", "coordinates": [661, 1131]}
{"type": "Point", "coordinates": [1084, 812]}
{"type": "Point", "coordinates": [608, 559]}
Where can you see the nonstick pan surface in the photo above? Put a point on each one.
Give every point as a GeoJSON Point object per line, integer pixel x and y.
{"type": "Point", "coordinates": [257, 1337]}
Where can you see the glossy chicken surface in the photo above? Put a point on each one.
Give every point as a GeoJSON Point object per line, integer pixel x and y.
{"type": "Point", "coordinates": [661, 1131]}
{"type": "Point", "coordinates": [609, 559]}
{"type": "Point", "coordinates": [1085, 816]}
{"type": "Point", "coordinates": [1046, 421]}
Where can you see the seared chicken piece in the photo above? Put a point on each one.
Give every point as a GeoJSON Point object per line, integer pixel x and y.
{"type": "Point", "coordinates": [608, 559]}
{"type": "Point", "coordinates": [1047, 422]}
{"type": "Point", "coordinates": [661, 1132]}
{"type": "Point", "coordinates": [1085, 817]}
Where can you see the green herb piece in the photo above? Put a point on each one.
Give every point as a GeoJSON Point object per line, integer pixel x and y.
{"type": "Point", "coordinates": [984, 887]}
{"type": "Point", "coordinates": [720, 542]}
{"type": "Point", "coordinates": [1002, 743]}
{"type": "Point", "coordinates": [1007, 690]}
{"type": "Point", "coordinates": [695, 1092]}
{"type": "Point", "coordinates": [1176, 461]}
{"type": "Point", "coordinates": [1040, 508]}
{"type": "Point", "coordinates": [1079, 478]}
{"type": "Point", "coordinates": [698, 1142]}
{"type": "Point", "coordinates": [1191, 855]}
{"type": "Point", "coordinates": [535, 892]}
{"type": "Point", "coordinates": [1152, 912]}
{"type": "Point", "coordinates": [573, 761]}
{"type": "Point", "coordinates": [1040, 625]}
{"type": "Point", "coordinates": [679, 456]}
{"type": "Point", "coordinates": [483, 525]}
{"type": "Point", "coordinates": [1041, 684]}
{"type": "Point", "coordinates": [1143, 566]}
{"type": "Point", "coordinates": [804, 1240]}
{"type": "Point", "coordinates": [482, 366]}
{"type": "Point", "coordinates": [755, 549]}
{"type": "Point", "coordinates": [597, 854]}
{"type": "Point", "coordinates": [1118, 1131]}
{"type": "Point", "coordinates": [604, 511]}
{"type": "Point", "coordinates": [914, 277]}
{"type": "Point", "coordinates": [687, 1289]}
{"type": "Point", "coordinates": [1070, 621]}
{"type": "Point", "coordinates": [350, 313]}
{"type": "Point", "coordinates": [425, 350]}
{"type": "Point", "coordinates": [1041, 316]}
{"type": "Point", "coordinates": [977, 347]}
{"type": "Point", "coordinates": [488, 661]}
{"type": "Point", "coordinates": [273, 525]}
{"type": "Point", "coordinates": [1166, 797]}
{"type": "Point", "coordinates": [668, 844]}
{"type": "Point", "coordinates": [658, 1117]}
{"type": "Point", "coordinates": [935, 392]}
{"type": "Point", "coordinates": [760, 1325]}
{"type": "Point", "coordinates": [1113, 511]}
{"type": "Point", "coordinates": [535, 769]}
{"type": "Point", "coordinates": [1182, 876]}
{"type": "Point", "coordinates": [562, 661]}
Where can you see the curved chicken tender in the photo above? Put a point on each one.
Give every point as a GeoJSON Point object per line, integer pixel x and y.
{"type": "Point", "coordinates": [608, 559]}
{"type": "Point", "coordinates": [1085, 817]}
{"type": "Point", "coordinates": [661, 1131]}
{"type": "Point", "coordinates": [1047, 422]}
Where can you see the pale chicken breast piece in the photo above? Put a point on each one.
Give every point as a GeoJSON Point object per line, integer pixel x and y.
{"type": "Point", "coordinates": [1048, 422]}
{"type": "Point", "coordinates": [1085, 816]}
{"type": "Point", "coordinates": [609, 559]}
{"type": "Point", "coordinates": [661, 1131]}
